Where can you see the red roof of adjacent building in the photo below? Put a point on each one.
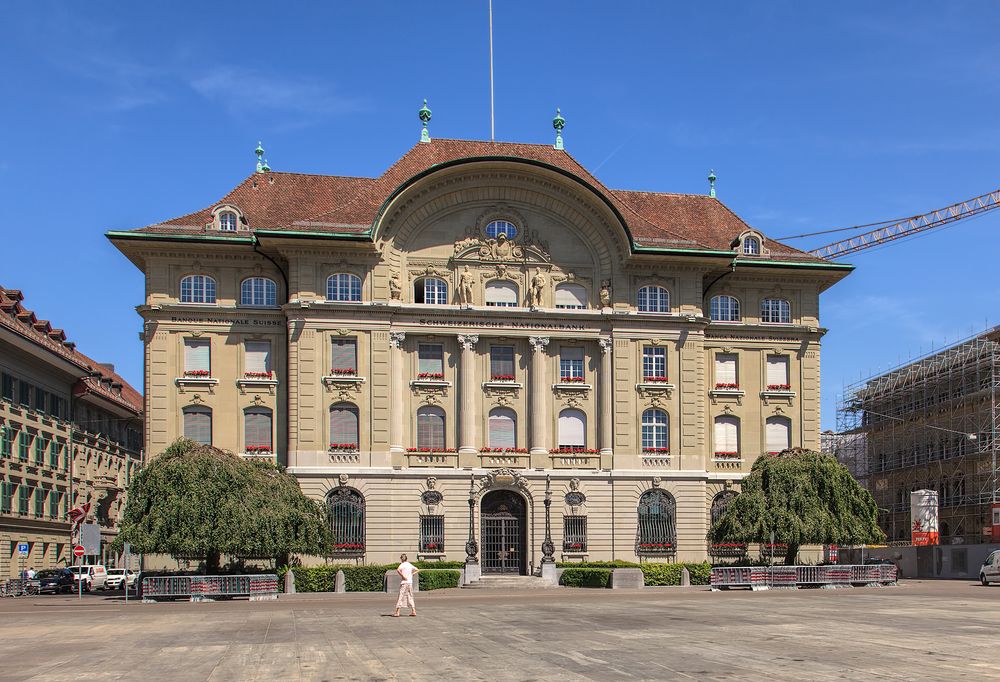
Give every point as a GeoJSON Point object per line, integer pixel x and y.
{"type": "Point", "coordinates": [97, 378]}
{"type": "Point", "coordinates": [349, 205]}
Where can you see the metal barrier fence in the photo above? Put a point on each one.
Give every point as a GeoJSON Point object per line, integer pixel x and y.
{"type": "Point", "coordinates": [792, 577]}
{"type": "Point", "coordinates": [210, 587]}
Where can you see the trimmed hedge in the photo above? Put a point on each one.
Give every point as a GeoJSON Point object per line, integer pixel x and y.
{"type": "Point", "coordinates": [670, 574]}
{"type": "Point", "coordinates": [586, 577]}
{"type": "Point", "coordinates": [436, 579]}
{"type": "Point", "coordinates": [597, 564]}
{"type": "Point", "coordinates": [324, 578]}
{"type": "Point", "coordinates": [437, 564]}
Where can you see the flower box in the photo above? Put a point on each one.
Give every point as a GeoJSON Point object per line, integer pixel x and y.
{"type": "Point", "coordinates": [343, 372]}
{"type": "Point", "coordinates": [727, 455]}
{"type": "Point", "coordinates": [573, 451]}
{"type": "Point", "coordinates": [655, 548]}
{"type": "Point", "coordinates": [574, 547]}
{"type": "Point", "coordinates": [433, 547]}
{"type": "Point", "coordinates": [432, 376]}
{"type": "Point", "coordinates": [257, 449]}
{"type": "Point", "coordinates": [779, 387]}
{"type": "Point", "coordinates": [776, 549]}
{"type": "Point", "coordinates": [343, 447]}
{"type": "Point", "coordinates": [727, 549]}
{"type": "Point", "coordinates": [349, 547]}
{"type": "Point", "coordinates": [197, 373]}
{"type": "Point", "coordinates": [655, 380]}
{"type": "Point", "coordinates": [504, 451]}
{"type": "Point", "coordinates": [656, 451]}
{"type": "Point", "coordinates": [430, 451]}
{"type": "Point", "coordinates": [502, 377]}
{"type": "Point", "coordinates": [727, 387]}
{"type": "Point", "coordinates": [571, 380]}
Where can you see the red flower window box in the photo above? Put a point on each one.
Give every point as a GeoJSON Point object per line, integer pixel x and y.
{"type": "Point", "coordinates": [504, 451]}
{"type": "Point", "coordinates": [196, 373]}
{"type": "Point", "coordinates": [656, 451]}
{"type": "Point", "coordinates": [571, 380]}
{"type": "Point", "coordinates": [502, 377]}
{"type": "Point", "coordinates": [257, 375]}
{"type": "Point", "coordinates": [430, 451]}
{"type": "Point", "coordinates": [725, 454]}
{"type": "Point", "coordinates": [343, 447]}
{"type": "Point", "coordinates": [727, 387]}
{"type": "Point", "coordinates": [655, 380]}
{"type": "Point", "coordinates": [257, 448]}
{"type": "Point", "coordinates": [433, 376]}
{"type": "Point", "coordinates": [349, 546]}
{"type": "Point", "coordinates": [343, 372]}
{"type": "Point", "coordinates": [573, 451]}
{"type": "Point", "coordinates": [779, 387]}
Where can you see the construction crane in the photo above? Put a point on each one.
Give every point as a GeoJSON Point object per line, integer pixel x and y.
{"type": "Point", "coordinates": [911, 226]}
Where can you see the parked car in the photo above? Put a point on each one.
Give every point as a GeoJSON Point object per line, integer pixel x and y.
{"type": "Point", "coordinates": [117, 575]}
{"type": "Point", "coordinates": [990, 570]}
{"type": "Point", "coordinates": [56, 580]}
{"type": "Point", "coordinates": [98, 575]}
{"type": "Point", "coordinates": [82, 576]}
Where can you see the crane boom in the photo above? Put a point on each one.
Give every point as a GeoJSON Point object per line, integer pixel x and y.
{"type": "Point", "coordinates": [910, 226]}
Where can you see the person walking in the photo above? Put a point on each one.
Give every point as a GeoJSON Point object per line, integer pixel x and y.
{"type": "Point", "coordinates": [406, 571]}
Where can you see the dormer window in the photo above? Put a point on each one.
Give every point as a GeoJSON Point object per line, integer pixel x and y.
{"type": "Point", "coordinates": [227, 221]}
{"type": "Point", "coordinates": [751, 246]}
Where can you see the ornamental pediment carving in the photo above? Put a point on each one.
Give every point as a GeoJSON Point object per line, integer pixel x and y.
{"type": "Point", "coordinates": [526, 248]}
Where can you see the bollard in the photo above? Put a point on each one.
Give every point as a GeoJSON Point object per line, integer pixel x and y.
{"type": "Point", "coordinates": [340, 583]}
{"type": "Point", "coordinates": [289, 582]}
{"type": "Point", "coordinates": [685, 577]}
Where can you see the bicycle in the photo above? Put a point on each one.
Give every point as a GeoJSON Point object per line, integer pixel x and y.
{"type": "Point", "coordinates": [20, 588]}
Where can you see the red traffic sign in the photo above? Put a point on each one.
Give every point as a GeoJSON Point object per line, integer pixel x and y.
{"type": "Point", "coordinates": [78, 551]}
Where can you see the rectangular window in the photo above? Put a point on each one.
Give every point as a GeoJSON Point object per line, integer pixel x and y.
{"type": "Point", "coordinates": [54, 504]}
{"type": "Point", "coordinates": [40, 445]}
{"type": "Point", "coordinates": [725, 371]}
{"type": "Point", "coordinates": [6, 434]}
{"type": "Point", "coordinates": [571, 364]}
{"type": "Point", "coordinates": [39, 402]}
{"type": "Point", "coordinates": [777, 373]}
{"type": "Point", "coordinates": [198, 357]}
{"type": "Point", "coordinates": [574, 533]}
{"type": "Point", "coordinates": [54, 405]}
{"type": "Point", "coordinates": [432, 533]}
{"type": "Point", "coordinates": [39, 502]}
{"type": "Point", "coordinates": [23, 496]}
{"type": "Point", "coordinates": [344, 356]}
{"type": "Point", "coordinates": [257, 358]}
{"type": "Point", "coordinates": [502, 362]}
{"type": "Point", "coordinates": [54, 448]}
{"type": "Point", "coordinates": [6, 493]}
{"type": "Point", "coordinates": [24, 392]}
{"type": "Point", "coordinates": [7, 384]}
{"type": "Point", "coordinates": [198, 425]}
{"type": "Point", "coordinates": [257, 429]}
{"type": "Point", "coordinates": [430, 357]}
{"type": "Point", "coordinates": [654, 363]}
{"type": "Point", "coordinates": [23, 445]}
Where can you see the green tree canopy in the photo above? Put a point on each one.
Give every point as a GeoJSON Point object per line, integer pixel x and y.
{"type": "Point", "coordinates": [802, 497]}
{"type": "Point", "coordinates": [202, 501]}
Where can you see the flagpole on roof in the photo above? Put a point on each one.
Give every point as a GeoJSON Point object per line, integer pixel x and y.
{"type": "Point", "coordinates": [492, 133]}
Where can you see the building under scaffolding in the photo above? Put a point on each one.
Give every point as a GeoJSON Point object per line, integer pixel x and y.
{"type": "Point", "coordinates": [929, 424]}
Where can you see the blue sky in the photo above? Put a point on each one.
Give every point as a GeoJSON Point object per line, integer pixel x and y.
{"type": "Point", "coordinates": [813, 115]}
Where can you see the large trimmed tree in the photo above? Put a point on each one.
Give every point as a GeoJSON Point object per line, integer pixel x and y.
{"type": "Point", "coordinates": [800, 498]}
{"type": "Point", "coordinates": [201, 501]}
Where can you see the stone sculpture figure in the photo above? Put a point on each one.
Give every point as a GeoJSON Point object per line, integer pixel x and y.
{"type": "Point", "coordinates": [395, 287]}
{"type": "Point", "coordinates": [465, 282]}
{"type": "Point", "coordinates": [537, 288]}
{"type": "Point", "coordinates": [605, 295]}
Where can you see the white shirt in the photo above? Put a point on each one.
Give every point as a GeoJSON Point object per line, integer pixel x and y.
{"type": "Point", "coordinates": [406, 568]}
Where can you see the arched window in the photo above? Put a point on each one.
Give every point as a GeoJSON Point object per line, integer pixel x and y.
{"type": "Point", "coordinates": [778, 434]}
{"type": "Point", "coordinates": [258, 291]}
{"type": "Point", "coordinates": [497, 227]}
{"type": "Point", "coordinates": [654, 300]}
{"type": "Point", "coordinates": [198, 424]}
{"type": "Point", "coordinates": [572, 429]}
{"type": "Point", "coordinates": [775, 311]}
{"type": "Point", "coordinates": [503, 428]}
{"type": "Point", "coordinates": [197, 289]}
{"type": "Point", "coordinates": [430, 428]}
{"type": "Point", "coordinates": [430, 290]}
{"type": "Point", "coordinates": [655, 431]}
{"type": "Point", "coordinates": [727, 435]}
{"type": "Point", "coordinates": [343, 426]}
{"type": "Point", "coordinates": [343, 287]}
{"type": "Point", "coordinates": [657, 534]}
{"type": "Point", "coordinates": [751, 246]}
{"type": "Point", "coordinates": [257, 429]}
{"type": "Point", "coordinates": [501, 294]}
{"type": "Point", "coordinates": [228, 221]}
{"type": "Point", "coordinates": [346, 512]}
{"type": "Point", "coordinates": [724, 548]}
{"type": "Point", "coordinates": [720, 503]}
{"type": "Point", "coordinates": [725, 309]}
{"type": "Point", "coordinates": [571, 296]}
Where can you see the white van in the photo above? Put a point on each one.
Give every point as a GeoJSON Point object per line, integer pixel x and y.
{"type": "Point", "coordinates": [95, 575]}
{"type": "Point", "coordinates": [990, 571]}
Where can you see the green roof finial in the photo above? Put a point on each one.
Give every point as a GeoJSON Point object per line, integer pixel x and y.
{"type": "Point", "coordinates": [558, 123]}
{"type": "Point", "coordinates": [425, 116]}
{"type": "Point", "coordinates": [259, 151]}
{"type": "Point", "coordinates": [711, 183]}
{"type": "Point", "coordinates": [265, 168]}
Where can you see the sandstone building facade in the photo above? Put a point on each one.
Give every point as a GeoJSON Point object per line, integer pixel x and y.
{"type": "Point", "coordinates": [70, 434]}
{"type": "Point", "coordinates": [483, 332]}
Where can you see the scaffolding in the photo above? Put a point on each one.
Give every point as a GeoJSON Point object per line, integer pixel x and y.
{"type": "Point", "coordinates": [929, 424]}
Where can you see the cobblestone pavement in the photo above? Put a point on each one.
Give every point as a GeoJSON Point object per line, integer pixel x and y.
{"type": "Point", "coordinates": [918, 630]}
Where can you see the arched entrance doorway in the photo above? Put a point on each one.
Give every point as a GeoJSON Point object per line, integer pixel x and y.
{"type": "Point", "coordinates": [504, 532]}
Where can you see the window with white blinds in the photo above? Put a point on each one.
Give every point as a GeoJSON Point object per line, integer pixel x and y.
{"type": "Point", "coordinates": [430, 428]}
{"type": "Point", "coordinates": [258, 356]}
{"type": "Point", "coordinates": [778, 432]}
{"type": "Point", "coordinates": [503, 428]}
{"type": "Point", "coordinates": [777, 370]}
{"type": "Point", "coordinates": [344, 355]}
{"type": "Point", "coordinates": [344, 424]}
{"type": "Point", "coordinates": [501, 361]}
{"type": "Point", "coordinates": [571, 363]}
{"type": "Point", "coordinates": [571, 296]}
{"type": "Point", "coordinates": [501, 294]}
{"type": "Point", "coordinates": [198, 424]}
{"type": "Point", "coordinates": [257, 427]}
{"type": "Point", "coordinates": [572, 429]}
{"type": "Point", "coordinates": [727, 434]}
{"type": "Point", "coordinates": [725, 369]}
{"type": "Point", "coordinates": [197, 355]}
{"type": "Point", "coordinates": [430, 357]}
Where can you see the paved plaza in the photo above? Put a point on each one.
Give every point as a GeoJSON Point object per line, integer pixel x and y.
{"type": "Point", "coordinates": [918, 630]}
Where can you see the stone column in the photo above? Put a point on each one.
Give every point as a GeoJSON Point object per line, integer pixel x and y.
{"type": "Point", "coordinates": [540, 396]}
{"type": "Point", "coordinates": [468, 395]}
{"type": "Point", "coordinates": [398, 396]}
{"type": "Point", "coordinates": [606, 380]}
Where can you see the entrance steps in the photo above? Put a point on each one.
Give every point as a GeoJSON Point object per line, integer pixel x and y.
{"type": "Point", "coordinates": [509, 582]}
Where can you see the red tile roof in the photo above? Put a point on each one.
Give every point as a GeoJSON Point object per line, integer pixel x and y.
{"type": "Point", "coordinates": [101, 380]}
{"type": "Point", "coordinates": [350, 205]}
